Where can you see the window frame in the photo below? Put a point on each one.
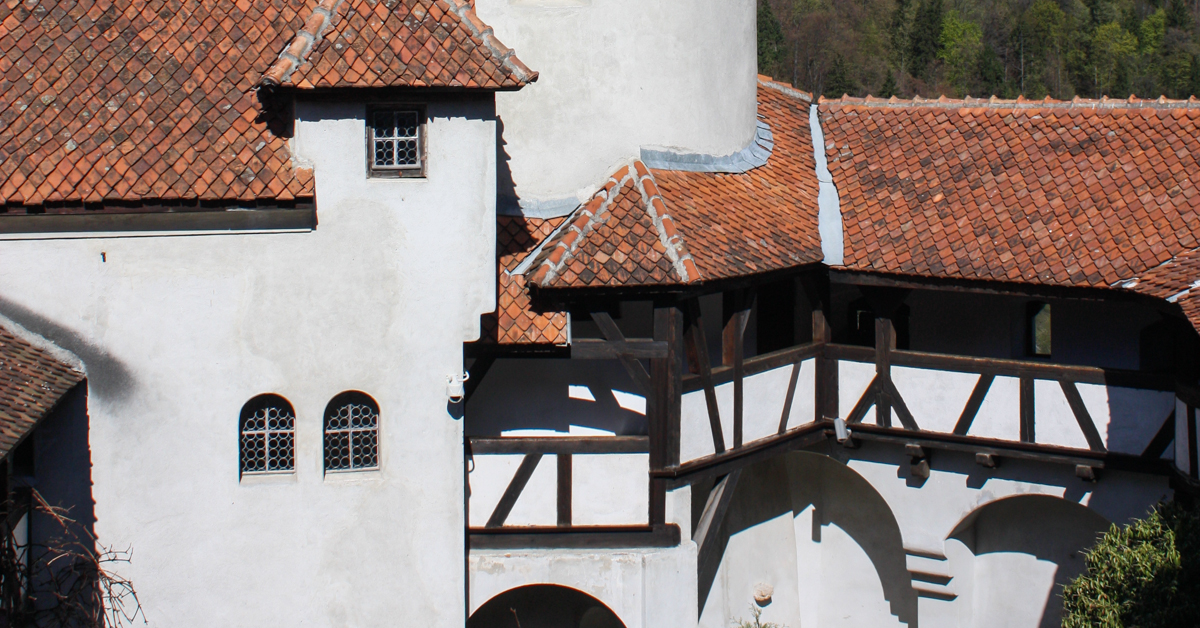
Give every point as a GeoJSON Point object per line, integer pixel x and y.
{"type": "Point", "coordinates": [1033, 309]}
{"type": "Point", "coordinates": [251, 408]}
{"type": "Point", "coordinates": [417, 171]}
{"type": "Point", "coordinates": [338, 401]}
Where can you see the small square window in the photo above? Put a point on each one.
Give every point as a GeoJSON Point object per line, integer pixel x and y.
{"type": "Point", "coordinates": [396, 142]}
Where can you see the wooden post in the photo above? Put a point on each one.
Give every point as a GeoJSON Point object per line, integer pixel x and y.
{"type": "Point", "coordinates": [826, 374]}
{"type": "Point", "coordinates": [564, 489]}
{"type": "Point", "coordinates": [885, 343]}
{"type": "Point", "coordinates": [1191, 448]}
{"type": "Point", "coordinates": [663, 405]}
{"type": "Point", "coordinates": [1028, 433]}
{"type": "Point", "coordinates": [733, 344]}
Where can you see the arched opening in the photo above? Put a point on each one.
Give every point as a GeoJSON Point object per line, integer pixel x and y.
{"type": "Point", "coordinates": [1023, 548]}
{"type": "Point", "coordinates": [544, 606]}
{"type": "Point", "coordinates": [820, 537]}
{"type": "Point", "coordinates": [351, 432]}
{"type": "Point", "coordinates": [267, 428]}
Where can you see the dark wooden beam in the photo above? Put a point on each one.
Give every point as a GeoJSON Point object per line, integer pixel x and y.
{"type": "Point", "coordinates": [791, 396]}
{"type": "Point", "coordinates": [559, 444]}
{"type": "Point", "coordinates": [698, 345]}
{"type": "Point", "coordinates": [637, 372]}
{"type": "Point", "coordinates": [505, 505]}
{"type": "Point", "coordinates": [757, 364]}
{"type": "Point", "coordinates": [591, 349]}
{"type": "Point", "coordinates": [973, 404]}
{"type": "Point", "coordinates": [737, 307]}
{"type": "Point", "coordinates": [664, 406]}
{"type": "Point", "coordinates": [574, 537]}
{"type": "Point", "coordinates": [859, 411]}
{"type": "Point", "coordinates": [826, 375]}
{"type": "Point", "coordinates": [1162, 438]}
{"type": "Point", "coordinates": [564, 489]}
{"type": "Point", "coordinates": [901, 408]}
{"type": "Point", "coordinates": [1028, 413]}
{"type": "Point", "coordinates": [717, 465]}
{"type": "Point", "coordinates": [1095, 442]}
{"type": "Point", "coordinates": [885, 344]}
{"type": "Point", "coordinates": [910, 282]}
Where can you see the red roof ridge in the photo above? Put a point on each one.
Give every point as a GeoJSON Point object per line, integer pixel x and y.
{"type": "Point", "coordinates": [1020, 102]}
{"type": "Point", "coordinates": [668, 232]}
{"type": "Point", "coordinates": [301, 46]}
{"type": "Point", "coordinates": [577, 227]}
{"type": "Point", "coordinates": [585, 219]}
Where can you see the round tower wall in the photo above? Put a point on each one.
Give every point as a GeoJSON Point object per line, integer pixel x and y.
{"type": "Point", "coordinates": [616, 76]}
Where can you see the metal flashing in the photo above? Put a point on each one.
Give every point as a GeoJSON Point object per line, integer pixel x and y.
{"type": "Point", "coordinates": [829, 211]}
{"type": "Point", "coordinates": [754, 155]}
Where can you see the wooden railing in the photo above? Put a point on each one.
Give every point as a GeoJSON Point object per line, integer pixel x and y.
{"type": "Point", "coordinates": [496, 534]}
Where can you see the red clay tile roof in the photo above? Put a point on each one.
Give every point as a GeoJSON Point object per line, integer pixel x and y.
{"type": "Point", "coordinates": [665, 227]}
{"type": "Point", "coordinates": [149, 101]}
{"type": "Point", "coordinates": [623, 236]}
{"type": "Point", "coordinates": [515, 321]}
{"type": "Point", "coordinates": [381, 43]}
{"type": "Point", "coordinates": [31, 383]}
{"type": "Point", "coordinates": [1086, 193]}
{"type": "Point", "coordinates": [1177, 281]}
{"type": "Point", "coordinates": [761, 220]}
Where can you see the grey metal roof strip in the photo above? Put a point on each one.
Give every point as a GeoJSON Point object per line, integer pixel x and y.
{"type": "Point", "coordinates": [752, 156]}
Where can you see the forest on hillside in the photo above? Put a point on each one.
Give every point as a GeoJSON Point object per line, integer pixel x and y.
{"type": "Point", "coordinates": [1038, 48]}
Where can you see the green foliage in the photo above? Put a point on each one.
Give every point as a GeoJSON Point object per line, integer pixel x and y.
{"type": "Point", "coordinates": [961, 43]}
{"type": "Point", "coordinates": [1057, 48]}
{"type": "Point", "coordinates": [771, 41]}
{"type": "Point", "coordinates": [1146, 574]}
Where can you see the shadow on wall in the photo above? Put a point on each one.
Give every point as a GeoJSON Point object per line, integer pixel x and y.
{"type": "Point", "coordinates": [850, 521]}
{"type": "Point", "coordinates": [107, 376]}
{"type": "Point", "coordinates": [544, 606]}
{"type": "Point", "coordinates": [1025, 548]}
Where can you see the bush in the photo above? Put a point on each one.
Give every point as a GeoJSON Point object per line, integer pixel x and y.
{"type": "Point", "coordinates": [1143, 575]}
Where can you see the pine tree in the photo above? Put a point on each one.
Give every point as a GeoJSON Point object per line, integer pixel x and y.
{"type": "Point", "coordinates": [838, 81]}
{"type": "Point", "coordinates": [1178, 15]}
{"type": "Point", "coordinates": [924, 41]}
{"type": "Point", "coordinates": [889, 88]}
{"type": "Point", "coordinates": [771, 42]}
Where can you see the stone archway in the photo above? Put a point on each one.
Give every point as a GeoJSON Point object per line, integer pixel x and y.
{"type": "Point", "coordinates": [544, 606]}
{"type": "Point", "coordinates": [1018, 552]}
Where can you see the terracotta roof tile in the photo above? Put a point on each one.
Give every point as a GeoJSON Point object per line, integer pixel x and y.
{"type": "Point", "coordinates": [151, 102]}
{"type": "Point", "coordinates": [1176, 280]}
{"type": "Point", "coordinates": [623, 236]}
{"type": "Point", "coordinates": [1086, 193]}
{"type": "Point", "coordinates": [381, 43]}
{"type": "Point", "coordinates": [31, 383]}
{"type": "Point", "coordinates": [516, 321]}
{"type": "Point", "coordinates": [761, 220]}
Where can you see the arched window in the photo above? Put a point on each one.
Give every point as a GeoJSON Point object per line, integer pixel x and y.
{"type": "Point", "coordinates": [268, 429]}
{"type": "Point", "coordinates": [351, 432]}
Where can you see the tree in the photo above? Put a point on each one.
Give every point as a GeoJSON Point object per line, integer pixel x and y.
{"type": "Point", "coordinates": [961, 41]}
{"type": "Point", "coordinates": [925, 37]}
{"type": "Point", "coordinates": [1145, 574]}
{"type": "Point", "coordinates": [889, 86]}
{"type": "Point", "coordinates": [1178, 15]}
{"type": "Point", "coordinates": [771, 42]}
{"type": "Point", "coordinates": [1112, 46]}
{"type": "Point", "coordinates": [838, 81]}
{"type": "Point", "coordinates": [990, 72]}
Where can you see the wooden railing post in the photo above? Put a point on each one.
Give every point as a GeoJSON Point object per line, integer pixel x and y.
{"type": "Point", "coordinates": [663, 405]}
{"type": "Point", "coordinates": [733, 349]}
{"type": "Point", "coordinates": [885, 344]}
{"type": "Point", "coordinates": [826, 375]}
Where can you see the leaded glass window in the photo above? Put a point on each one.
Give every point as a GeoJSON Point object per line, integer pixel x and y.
{"type": "Point", "coordinates": [268, 436]}
{"type": "Point", "coordinates": [396, 142]}
{"type": "Point", "coordinates": [351, 432]}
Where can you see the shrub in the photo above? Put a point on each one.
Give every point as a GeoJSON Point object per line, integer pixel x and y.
{"type": "Point", "coordinates": [1144, 575]}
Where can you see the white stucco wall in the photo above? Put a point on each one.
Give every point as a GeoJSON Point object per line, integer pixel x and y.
{"type": "Point", "coordinates": [616, 75]}
{"type": "Point", "coordinates": [177, 333]}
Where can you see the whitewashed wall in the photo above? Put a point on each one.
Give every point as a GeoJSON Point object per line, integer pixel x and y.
{"type": "Point", "coordinates": [616, 75]}
{"type": "Point", "coordinates": [178, 332]}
